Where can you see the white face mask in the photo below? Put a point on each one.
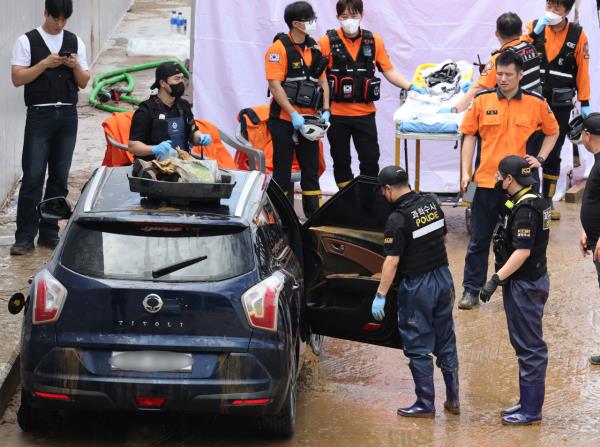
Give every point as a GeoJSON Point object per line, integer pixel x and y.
{"type": "Point", "coordinates": [310, 27]}
{"type": "Point", "coordinates": [555, 19]}
{"type": "Point", "coordinates": [350, 26]}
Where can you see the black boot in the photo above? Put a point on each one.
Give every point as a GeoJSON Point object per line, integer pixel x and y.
{"type": "Point", "coordinates": [310, 204]}
{"type": "Point", "coordinates": [469, 300]}
{"type": "Point", "coordinates": [424, 406]}
{"type": "Point", "coordinates": [532, 399]}
{"type": "Point", "coordinates": [595, 360]}
{"type": "Point", "coordinates": [452, 403]}
{"type": "Point", "coordinates": [511, 410]}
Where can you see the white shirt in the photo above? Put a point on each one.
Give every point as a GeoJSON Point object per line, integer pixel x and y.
{"type": "Point", "coordinates": [21, 54]}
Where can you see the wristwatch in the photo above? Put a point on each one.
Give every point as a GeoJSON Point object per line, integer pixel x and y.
{"type": "Point", "coordinates": [541, 159]}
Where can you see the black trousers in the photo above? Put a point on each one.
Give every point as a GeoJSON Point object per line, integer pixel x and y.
{"type": "Point", "coordinates": [363, 131]}
{"type": "Point", "coordinates": [552, 163]}
{"type": "Point", "coordinates": [425, 322]}
{"type": "Point", "coordinates": [307, 153]}
{"type": "Point", "coordinates": [524, 306]}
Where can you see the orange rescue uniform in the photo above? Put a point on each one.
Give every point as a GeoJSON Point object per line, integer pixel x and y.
{"type": "Point", "coordinates": [488, 76]}
{"type": "Point", "coordinates": [276, 69]}
{"type": "Point", "coordinates": [505, 126]}
{"type": "Point", "coordinates": [382, 60]}
{"type": "Point", "coordinates": [554, 42]}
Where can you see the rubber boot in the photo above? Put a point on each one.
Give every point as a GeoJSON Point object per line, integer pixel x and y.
{"type": "Point", "coordinates": [424, 406]}
{"type": "Point", "coordinates": [532, 399]}
{"type": "Point", "coordinates": [469, 300]}
{"type": "Point", "coordinates": [511, 410]}
{"type": "Point", "coordinates": [310, 204]}
{"type": "Point", "coordinates": [452, 403]}
{"type": "Point", "coordinates": [548, 190]}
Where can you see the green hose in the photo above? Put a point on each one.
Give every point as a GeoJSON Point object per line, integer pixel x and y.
{"type": "Point", "coordinates": [104, 80]}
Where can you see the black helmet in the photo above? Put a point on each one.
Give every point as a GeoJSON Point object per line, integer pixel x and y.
{"type": "Point", "coordinates": [444, 81]}
{"type": "Point", "coordinates": [575, 129]}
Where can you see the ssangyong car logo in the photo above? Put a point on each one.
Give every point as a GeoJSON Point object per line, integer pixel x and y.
{"type": "Point", "coordinates": [153, 303]}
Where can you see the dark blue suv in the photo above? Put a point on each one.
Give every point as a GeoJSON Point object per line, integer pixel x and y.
{"type": "Point", "coordinates": [150, 306]}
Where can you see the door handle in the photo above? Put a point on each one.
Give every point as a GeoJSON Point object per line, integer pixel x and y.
{"type": "Point", "coordinates": [338, 248]}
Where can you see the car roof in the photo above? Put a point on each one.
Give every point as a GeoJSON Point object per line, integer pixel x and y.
{"type": "Point", "coordinates": [108, 196]}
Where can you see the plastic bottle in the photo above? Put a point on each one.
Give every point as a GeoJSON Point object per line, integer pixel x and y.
{"type": "Point", "coordinates": [179, 22]}
{"type": "Point", "coordinates": [173, 22]}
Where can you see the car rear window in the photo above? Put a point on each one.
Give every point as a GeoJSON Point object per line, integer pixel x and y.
{"type": "Point", "coordinates": [134, 252]}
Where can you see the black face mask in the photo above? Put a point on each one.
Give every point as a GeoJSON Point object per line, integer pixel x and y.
{"type": "Point", "coordinates": [177, 90]}
{"type": "Point", "coordinates": [498, 187]}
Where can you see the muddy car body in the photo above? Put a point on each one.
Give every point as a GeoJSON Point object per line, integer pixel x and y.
{"type": "Point", "coordinates": [204, 308]}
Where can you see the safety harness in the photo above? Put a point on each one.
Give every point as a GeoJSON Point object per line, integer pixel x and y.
{"type": "Point", "coordinates": [531, 65]}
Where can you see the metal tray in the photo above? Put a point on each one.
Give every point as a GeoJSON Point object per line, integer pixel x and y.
{"type": "Point", "coordinates": [183, 193]}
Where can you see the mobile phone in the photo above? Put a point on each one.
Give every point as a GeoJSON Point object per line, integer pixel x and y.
{"type": "Point", "coordinates": [469, 194]}
{"type": "Point", "coordinates": [64, 54]}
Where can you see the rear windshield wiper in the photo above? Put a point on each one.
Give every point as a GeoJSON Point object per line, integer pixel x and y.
{"type": "Point", "coordinates": [180, 265]}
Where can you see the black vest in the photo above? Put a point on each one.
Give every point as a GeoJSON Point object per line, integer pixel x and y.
{"type": "Point", "coordinates": [159, 131]}
{"type": "Point", "coordinates": [351, 80]}
{"type": "Point", "coordinates": [531, 65]}
{"type": "Point", "coordinates": [562, 71]}
{"type": "Point", "coordinates": [425, 249]}
{"type": "Point", "coordinates": [54, 84]}
{"type": "Point", "coordinates": [301, 82]}
{"type": "Point", "coordinates": [536, 264]}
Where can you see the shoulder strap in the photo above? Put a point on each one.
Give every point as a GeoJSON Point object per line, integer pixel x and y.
{"type": "Point", "coordinates": [567, 52]}
{"type": "Point", "coordinates": [70, 43]}
{"type": "Point", "coordinates": [339, 52]}
{"type": "Point", "coordinates": [296, 66]}
{"type": "Point", "coordinates": [539, 41]}
{"type": "Point", "coordinates": [252, 116]}
{"type": "Point", "coordinates": [366, 54]}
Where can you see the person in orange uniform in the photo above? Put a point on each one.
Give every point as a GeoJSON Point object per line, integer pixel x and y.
{"type": "Point", "coordinates": [509, 28]}
{"type": "Point", "coordinates": [504, 118]}
{"type": "Point", "coordinates": [295, 69]}
{"type": "Point", "coordinates": [353, 55]}
{"type": "Point", "coordinates": [565, 71]}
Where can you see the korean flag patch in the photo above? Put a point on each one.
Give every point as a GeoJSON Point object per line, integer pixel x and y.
{"type": "Point", "coordinates": [273, 57]}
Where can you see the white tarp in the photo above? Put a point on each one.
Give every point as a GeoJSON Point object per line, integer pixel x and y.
{"type": "Point", "coordinates": [232, 36]}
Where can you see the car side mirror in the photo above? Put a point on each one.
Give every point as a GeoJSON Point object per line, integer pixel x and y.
{"type": "Point", "coordinates": [56, 208]}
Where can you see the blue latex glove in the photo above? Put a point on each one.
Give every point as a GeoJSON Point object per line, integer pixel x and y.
{"type": "Point", "coordinates": [445, 110]}
{"type": "Point", "coordinates": [377, 307]}
{"type": "Point", "coordinates": [297, 121]}
{"type": "Point", "coordinates": [205, 139]}
{"type": "Point", "coordinates": [466, 86]}
{"type": "Point", "coordinates": [414, 88]}
{"type": "Point", "coordinates": [541, 24]}
{"type": "Point", "coordinates": [163, 148]}
{"type": "Point", "coordinates": [586, 111]}
{"type": "Point", "coordinates": [325, 116]}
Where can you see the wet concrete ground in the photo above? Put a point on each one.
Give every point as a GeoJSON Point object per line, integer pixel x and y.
{"type": "Point", "coordinates": [349, 396]}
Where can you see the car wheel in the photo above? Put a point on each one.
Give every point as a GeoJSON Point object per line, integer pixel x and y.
{"type": "Point", "coordinates": [316, 343]}
{"type": "Point", "coordinates": [30, 419]}
{"type": "Point", "coordinates": [282, 424]}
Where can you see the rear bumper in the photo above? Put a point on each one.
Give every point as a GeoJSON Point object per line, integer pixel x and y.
{"type": "Point", "coordinates": [216, 381]}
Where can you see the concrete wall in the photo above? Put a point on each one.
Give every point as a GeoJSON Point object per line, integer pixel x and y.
{"type": "Point", "coordinates": [92, 20]}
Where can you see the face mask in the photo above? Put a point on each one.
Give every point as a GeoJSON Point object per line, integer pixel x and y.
{"type": "Point", "coordinates": [555, 19]}
{"type": "Point", "coordinates": [498, 187]}
{"type": "Point", "coordinates": [177, 90]}
{"type": "Point", "coordinates": [310, 27]}
{"type": "Point", "coordinates": [350, 26]}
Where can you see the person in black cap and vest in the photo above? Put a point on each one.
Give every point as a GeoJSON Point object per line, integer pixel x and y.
{"type": "Point", "coordinates": [589, 240]}
{"type": "Point", "coordinates": [520, 243]}
{"type": "Point", "coordinates": [415, 251]}
{"type": "Point", "coordinates": [165, 121]}
{"type": "Point", "coordinates": [51, 63]}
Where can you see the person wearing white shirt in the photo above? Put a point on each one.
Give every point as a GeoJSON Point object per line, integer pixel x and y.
{"type": "Point", "coordinates": [50, 62]}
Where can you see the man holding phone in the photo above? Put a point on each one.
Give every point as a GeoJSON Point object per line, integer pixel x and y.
{"type": "Point", "coordinates": [51, 63]}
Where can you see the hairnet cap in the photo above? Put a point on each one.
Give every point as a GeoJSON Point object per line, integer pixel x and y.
{"type": "Point", "coordinates": [164, 71]}
{"type": "Point", "coordinates": [391, 175]}
{"type": "Point", "coordinates": [518, 168]}
{"type": "Point", "coordinates": [592, 124]}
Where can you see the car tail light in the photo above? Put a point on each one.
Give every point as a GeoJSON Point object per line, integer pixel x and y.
{"type": "Point", "coordinates": [261, 302]}
{"type": "Point", "coordinates": [49, 298]}
{"type": "Point", "coordinates": [51, 396]}
{"type": "Point", "coordinates": [150, 401]}
{"type": "Point", "coordinates": [242, 402]}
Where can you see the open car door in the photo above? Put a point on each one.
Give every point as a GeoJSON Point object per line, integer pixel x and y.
{"type": "Point", "coordinates": [343, 256]}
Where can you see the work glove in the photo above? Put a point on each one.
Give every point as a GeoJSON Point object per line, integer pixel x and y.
{"type": "Point", "coordinates": [162, 149]}
{"type": "Point", "coordinates": [414, 88]}
{"type": "Point", "coordinates": [297, 121]}
{"type": "Point", "coordinates": [489, 288]}
{"type": "Point", "coordinates": [586, 111]}
{"type": "Point", "coordinates": [445, 110]}
{"type": "Point", "coordinates": [325, 116]}
{"type": "Point", "coordinates": [541, 24]}
{"type": "Point", "coordinates": [377, 307]}
{"type": "Point", "coordinates": [466, 86]}
{"type": "Point", "coordinates": [205, 139]}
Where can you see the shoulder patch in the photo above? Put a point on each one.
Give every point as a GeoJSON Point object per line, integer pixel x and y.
{"type": "Point", "coordinates": [274, 57]}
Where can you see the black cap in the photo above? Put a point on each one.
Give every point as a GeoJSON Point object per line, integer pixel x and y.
{"type": "Point", "coordinates": [592, 124]}
{"type": "Point", "coordinates": [165, 71]}
{"type": "Point", "coordinates": [518, 168]}
{"type": "Point", "coordinates": [391, 175]}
